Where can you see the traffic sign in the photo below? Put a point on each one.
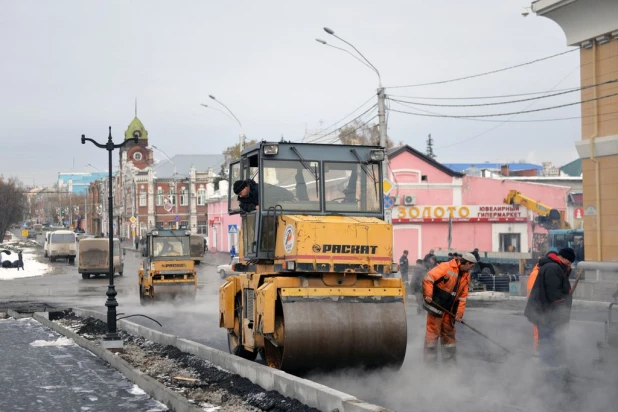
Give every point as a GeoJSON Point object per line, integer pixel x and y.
{"type": "Point", "coordinates": [388, 202]}
{"type": "Point", "coordinates": [388, 215]}
{"type": "Point", "coordinates": [133, 225]}
{"type": "Point", "coordinates": [132, 219]}
{"type": "Point", "coordinates": [578, 213]}
{"type": "Point", "coordinates": [387, 186]}
{"type": "Point", "coordinates": [232, 228]}
{"type": "Point", "coordinates": [177, 218]}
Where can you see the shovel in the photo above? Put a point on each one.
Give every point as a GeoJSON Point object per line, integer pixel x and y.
{"type": "Point", "coordinates": [472, 328]}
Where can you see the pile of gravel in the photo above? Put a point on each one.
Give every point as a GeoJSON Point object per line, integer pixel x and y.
{"type": "Point", "coordinates": [200, 381]}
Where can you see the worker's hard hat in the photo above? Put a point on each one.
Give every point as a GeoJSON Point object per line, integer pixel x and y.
{"type": "Point", "coordinates": [468, 257]}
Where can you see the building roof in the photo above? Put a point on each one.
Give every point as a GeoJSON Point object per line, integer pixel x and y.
{"type": "Point", "coordinates": [395, 151]}
{"type": "Point", "coordinates": [183, 163]}
{"type": "Point", "coordinates": [572, 169]}
{"type": "Point", "coordinates": [513, 167]}
{"type": "Point", "coordinates": [136, 125]}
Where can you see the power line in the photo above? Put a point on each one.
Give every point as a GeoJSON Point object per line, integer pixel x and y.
{"type": "Point", "coordinates": [480, 97]}
{"type": "Point", "coordinates": [513, 113]}
{"type": "Point", "coordinates": [555, 119]}
{"type": "Point", "coordinates": [507, 102]}
{"type": "Point", "coordinates": [485, 73]}
{"type": "Point", "coordinates": [339, 121]}
{"type": "Point", "coordinates": [349, 132]}
{"type": "Point", "coordinates": [505, 95]}
{"type": "Point", "coordinates": [343, 126]}
{"type": "Point", "coordinates": [491, 129]}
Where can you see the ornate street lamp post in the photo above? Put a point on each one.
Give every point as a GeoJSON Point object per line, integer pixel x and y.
{"type": "Point", "coordinates": [111, 340]}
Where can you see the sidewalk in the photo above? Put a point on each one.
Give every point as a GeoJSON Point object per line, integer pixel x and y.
{"type": "Point", "coordinates": [44, 371]}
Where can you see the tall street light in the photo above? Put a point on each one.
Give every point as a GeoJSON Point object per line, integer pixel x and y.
{"type": "Point", "coordinates": [219, 110]}
{"type": "Point", "coordinates": [241, 137]}
{"type": "Point", "coordinates": [166, 156]}
{"type": "Point", "coordinates": [111, 340]}
{"type": "Point", "coordinates": [380, 91]}
{"type": "Point", "coordinates": [89, 165]}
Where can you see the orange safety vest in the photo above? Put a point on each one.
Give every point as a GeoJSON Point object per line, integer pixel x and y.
{"type": "Point", "coordinates": [532, 278]}
{"type": "Point", "coordinates": [444, 276]}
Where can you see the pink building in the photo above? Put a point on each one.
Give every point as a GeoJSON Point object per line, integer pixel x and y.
{"type": "Point", "coordinates": [428, 195]}
{"type": "Point", "coordinates": [222, 228]}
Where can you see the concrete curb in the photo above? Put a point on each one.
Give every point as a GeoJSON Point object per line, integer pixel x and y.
{"type": "Point", "coordinates": [154, 388]}
{"type": "Point", "coordinates": [577, 303]}
{"type": "Point", "coordinates": [17, 315]}
{"type": "Point", "coordinates": [308, 392]}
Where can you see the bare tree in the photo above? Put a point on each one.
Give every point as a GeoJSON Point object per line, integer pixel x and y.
{"type": "Point", "coordinates": [359, 133]}
{"type": "Point", "coordinates": [12, 204]}
{"type": "Point", "coordinates": [232, 153]}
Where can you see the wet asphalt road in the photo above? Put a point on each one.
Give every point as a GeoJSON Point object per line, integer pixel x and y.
{"type": "Point", "coordinates": [486, 377]}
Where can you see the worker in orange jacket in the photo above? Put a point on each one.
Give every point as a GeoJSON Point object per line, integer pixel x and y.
{"type": "Point", "coordinates": [445, 285]}
{"type": "Point", "coordinates": [531, 280]}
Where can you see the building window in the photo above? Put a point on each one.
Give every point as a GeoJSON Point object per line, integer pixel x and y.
{"type": "Point", "coordinates": [142, 198]}
{"type": "Point", "coordinates": [160, 225]}
{"type": "Point", "coordinates": [202, 227]}
{"type": "Point", "coordinates": [184, 224]}
{"type": "Point", "coordinates": [510, 242]}
{"type": "Point", "coordinates": [159, 197]}
{"type": "Point", "coordinates": [172, 195]}
{"type": "Point", "coordinates": [184, 198]}
{"type": "Point", "coordinates": [201, 197]}
{"type": "Point", "coordinates": [171, 224]}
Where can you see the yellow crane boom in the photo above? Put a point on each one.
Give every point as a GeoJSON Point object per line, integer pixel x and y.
{"type": "Point", "coordinates": [548, 218]}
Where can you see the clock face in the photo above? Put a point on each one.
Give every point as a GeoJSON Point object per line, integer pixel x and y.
{"type": "Point", "coordinates": [137, 156]}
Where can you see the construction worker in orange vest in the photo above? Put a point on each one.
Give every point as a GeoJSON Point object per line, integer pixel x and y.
{"type": "Point", "coordinates": [445, 287]}
{"type": "Point", "coordinates": [531, 280]}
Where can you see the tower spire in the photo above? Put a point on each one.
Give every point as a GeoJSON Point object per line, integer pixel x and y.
{"type": "Point", "coordinates": [136, 106]}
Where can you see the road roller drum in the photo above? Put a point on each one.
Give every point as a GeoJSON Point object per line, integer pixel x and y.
{"type": "Point", "coordinates": [326, 335]}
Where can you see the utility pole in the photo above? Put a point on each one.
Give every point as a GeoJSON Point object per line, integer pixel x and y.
{"type": "Point", "coordinates": [382, 126]}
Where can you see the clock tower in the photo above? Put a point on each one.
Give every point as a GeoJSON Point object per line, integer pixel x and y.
{"type": "Point", "coordinates": [139, 154]}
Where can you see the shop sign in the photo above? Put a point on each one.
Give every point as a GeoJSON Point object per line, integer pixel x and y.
{"type": "Point", "coordinates": [469, 213]}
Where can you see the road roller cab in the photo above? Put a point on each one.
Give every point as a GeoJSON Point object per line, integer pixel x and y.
{"type": "Point", "coordinates": [311, 292]}
{"type": "Point", "coordinates": [168, 269]}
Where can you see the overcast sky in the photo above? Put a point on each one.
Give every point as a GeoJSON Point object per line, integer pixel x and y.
{"type": "Point", "coordinates": [72, 67]}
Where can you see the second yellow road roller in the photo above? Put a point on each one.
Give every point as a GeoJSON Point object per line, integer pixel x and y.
{"type": "Point", "coordinates": [315, 251]}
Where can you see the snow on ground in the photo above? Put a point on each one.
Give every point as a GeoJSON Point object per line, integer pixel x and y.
{"type": "Point", "coordinates": [32, 267]}
{"type": "Point", "coordinates": [61, 341]}
{"type": "Point", "coordinates": [136, 390]}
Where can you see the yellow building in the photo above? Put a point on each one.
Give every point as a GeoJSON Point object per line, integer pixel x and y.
{"type": "Point", "coordinates": [592, 25]}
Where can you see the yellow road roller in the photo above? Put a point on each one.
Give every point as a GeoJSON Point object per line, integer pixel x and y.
{"type": "Point", "coordinates": [168, 269]}
{"type": "Point", "coordinates": [314, 250]}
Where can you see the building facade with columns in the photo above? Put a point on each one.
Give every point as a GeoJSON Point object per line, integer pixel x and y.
{"type": "Point", "coordinates": [593, 27]}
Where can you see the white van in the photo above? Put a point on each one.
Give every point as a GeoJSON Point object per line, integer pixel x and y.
{"type": "Point", "coordinates": [46, 243]}
{"type": "Point", "coordinates": [61, 244]}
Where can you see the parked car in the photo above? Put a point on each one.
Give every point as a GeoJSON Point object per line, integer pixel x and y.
{"type": "Point", "coordinates": [226, 270]}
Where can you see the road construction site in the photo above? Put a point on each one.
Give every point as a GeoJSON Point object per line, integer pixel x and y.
{"type": "Point", "coordinates": [486, 377]}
